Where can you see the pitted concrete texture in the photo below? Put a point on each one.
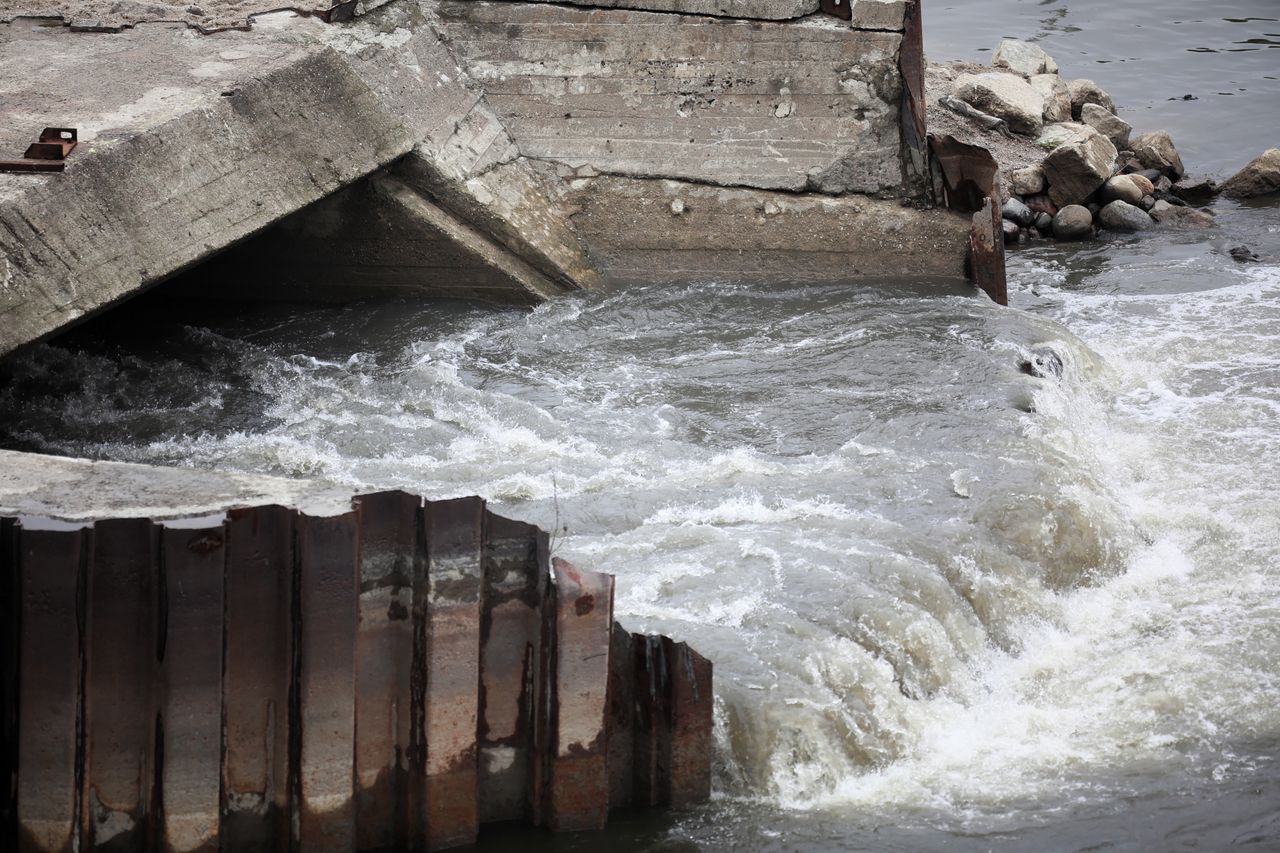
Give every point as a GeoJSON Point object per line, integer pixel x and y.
{"type": "Point", "coordinates": [659, 230]}
{"type": "Point", "coordinates": [82, 490]}
{"type": "Point", "coordinates": [769, 10]}
{"type": "Point", "coordinates": [811, 105]}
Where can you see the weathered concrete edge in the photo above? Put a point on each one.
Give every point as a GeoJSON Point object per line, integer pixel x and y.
{"type": "Point", "coordinates": [339, 133]}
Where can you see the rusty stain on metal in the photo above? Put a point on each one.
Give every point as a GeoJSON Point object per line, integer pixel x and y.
{"type": "Point", "coordinates": [986, 252]}
{"type": "Point", "coordinates": [842, 9]}
{"type": "Point", "coordinates": [389, 678]}
{"type": "Point", "coordinates": [47, 154]}
{"type": "Point", "coordinates": [968, 172]}
{"type": "Point", "coordinates": [454, 574]}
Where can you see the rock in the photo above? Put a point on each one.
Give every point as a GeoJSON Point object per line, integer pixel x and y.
{"type": "Point", "coordinates": [1041, 204]}
{"type": "Point", "coordinates": [1170, 198]}
{"type": "Point", "coordinates": [1011, 231]}
{"type": "Point", "coordinates": [1024, 57]}
{"type": "Point", "coordinates": [1156, 151]}
{"type": "Point", "coordinates": [1044, 223]}
{"type": "Point", "coordinates": [1260, 177]}
{"type": "Point", "coordinates": [1028, 181]}
{"type": "Point", "coordinates": [1123, 188]}
{"type": "Point", "coordinates": [1005, 96]}
{"type": "Point", "coordinates": [677, 207]}
{"type": "Point", "coordinates": [1196, 190]}
{"type": "Point", "coordinates": [1088, 92]}
{"type": "Point", "coordinates": [1107, 123]}
{"type": "Point", "coordinates": [1244, 255]}
{"type": "Point", "coordinates": [1151, 175]}
{"type": "Point", "coordinates": [1057, 98]}
{"type": "Point", "coordinates": [1015, 211]}
{"type": "Point", "coordinates": [1093, 209]}
{"type": "Point", "coordinates": [1172, 216]}
{"type": "Point", "coordinates": [1163, 184]}
{"type": "Point", "coordinates": [1056, 134]}
{"type": "Point", "coordinates": [1073, 222]}
{"type": "Point", "coordinates": [1147, 203]}
{"type": "Point", "coordinates": [1142, 183]}
{"type": "Point", "coordinates": [1078, 167]}
{"type": "Point", "coordinates": [1122, 216]}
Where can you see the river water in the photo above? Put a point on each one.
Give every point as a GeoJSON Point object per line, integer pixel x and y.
{"type": "Point", "coordinates": [973, 578]}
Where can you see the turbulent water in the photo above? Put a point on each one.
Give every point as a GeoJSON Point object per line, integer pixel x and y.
{"type": "Point", "coordinates": [972, 577]}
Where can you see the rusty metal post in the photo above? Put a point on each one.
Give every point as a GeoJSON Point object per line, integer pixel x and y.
{"type": "Point", "coordinates": [392, 567]}
{"type": "Point", "coordinates": [916, 171]}
{"type": "Point", "coordinates": [120, 720]}
{"type": "Point", "coordinates": [51, 570]}
{"type": "Point", "coordinates": [193, 562]}
{"type": "Point", "coordinates": [689, 760]}
{"type": "Point", "coordinates": [510, 649]}
{"type": "Point", "coordinates": [579, 789]}
{"type": "Point", "coordinates": [328, 589]}
{"type": "Point", "coordinates": [454, 574]}
{"type": "Point", "coordinates": [622, 718]}
{"type": "Point", "coordinates": [10, 632]}
{"type": "Point", "coordinates": [256, 726]}
{"type": "Point", "coordinates": [986, 252]}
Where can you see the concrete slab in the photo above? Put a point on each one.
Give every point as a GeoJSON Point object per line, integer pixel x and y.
{"type": "Point", "coordinates": [749, 235]}
{"type": "Point", "coordinates": [811, 105]}
{"type": "Point", "coordinates": [769, 10]}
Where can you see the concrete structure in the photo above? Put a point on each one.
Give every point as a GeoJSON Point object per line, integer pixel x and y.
{"type": "Point", "coordinates": [388, 674]}
{"type": "Point", "coordinates": [460, 148]}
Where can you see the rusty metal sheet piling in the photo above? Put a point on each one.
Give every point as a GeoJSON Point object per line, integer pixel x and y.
{"type": "Point", "coordinates": [454, 573]}
{"type": "Point", "coordinates": [392, 568]}
{"type": "Point", "coordinates": [328, 558]}
{"type": "Point", "coordinates": [120, 672]}
{"type": "Point", "coordinates": [193, 561]}
{"type": "Point", "coordinates": [385, 679]}
{"type": "Point", "coordinates": [51, 563]}
{"type": "Point", "coordinates": [258, 671]}
{"type": "Point", "coordinates": [916, 172]}
{"type": "Point", "coordinates": [510, 651]}
{"type": "Point", "coordinates": [579, 789]}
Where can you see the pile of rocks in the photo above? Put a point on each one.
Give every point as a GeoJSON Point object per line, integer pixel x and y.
{"type": "Point", "coordinates": [1087, 170]}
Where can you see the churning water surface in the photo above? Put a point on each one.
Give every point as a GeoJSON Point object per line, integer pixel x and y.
{"type": "Point", "coordinates": [973, 578]}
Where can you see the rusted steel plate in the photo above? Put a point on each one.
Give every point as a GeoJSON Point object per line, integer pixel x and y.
{"type": "Point", "coordinates": [622, 718]}
{"type": "Point", "coordinates": [329, 571]}
{"type": "Point", "coordinates": [968, 172]}
{"type": "Point", "coordinates": [9, 639]}
{"type": "Point", "coordinates": [193, 557]}
{"type": "Point", "coordinates": [579, 789]}
{"type": "Point", "coordinates": [52, 562]}
{"type": "Point", "coordinates": [510, 649]}
{"type": "Point", "coordinates": [916, 174]}
{"type": "Point", "coordinates": [258, 671]}
{"type": "Point", "coordinates": [453, 670]}
{"type": "Point", "coordinates": [690, 705]}
{"type": "Point", "coordinates": [121, 646]}
{"type": "Point", "coordinates": [392, 566]}
{"type": "Point", "coordinates": [986, 252]}
{"type": "Point", "coordinates": [652, 723]}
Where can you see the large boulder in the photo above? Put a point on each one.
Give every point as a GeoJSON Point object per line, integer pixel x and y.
{"type": "Point", "coordinates": [1073, 222]}
{"type": "Point", "coordinates": [1108, 124]}
{"type": "Point", "coordinates": [1088, 92]}
{"type": "Point", "coordinates": [1057, 98]}
{"type": "Point", "coordinates": [1122, 216]}
{"type": "Point", "coordinates": [1078, 166]}
{"type": "Point", "coordinates": [1005, 96]}
{"type": "Point", "coordinates": [1156, 151]}
{"type": "Point", "coordinates": [1260, 177]}
{"type": "Point", "coordinates": [1056, 134]}
{"type": "Point", "coordinates": [1028, 181]}
{"type": "Point", "coordinates": [1024, 57]}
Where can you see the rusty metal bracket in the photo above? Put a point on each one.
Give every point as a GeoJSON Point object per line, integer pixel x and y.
{"type": "Point", "coordinates": [840, 8]}
{"type": "Point", "coordinates": [48, 154]}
